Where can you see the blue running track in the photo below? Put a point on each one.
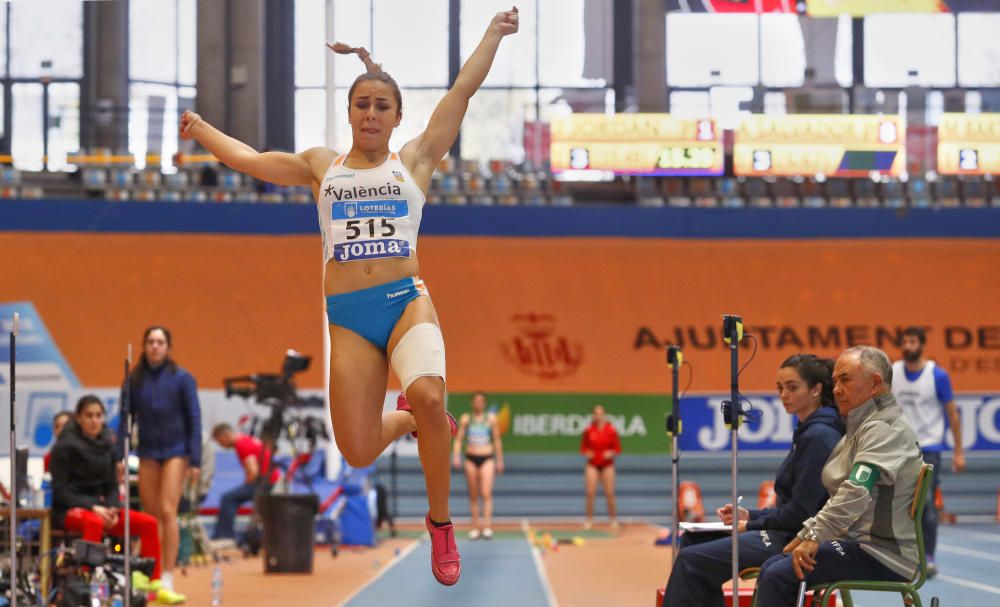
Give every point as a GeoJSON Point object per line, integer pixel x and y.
{"type": "Point", "coordinates": [495, 573]}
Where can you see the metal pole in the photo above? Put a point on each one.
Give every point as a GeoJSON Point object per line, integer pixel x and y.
{"type": "Point", "coordinates": [127, 442]}
{"type": "Point", "coordinates": [13, 463]}
{"type": "Point", "coordinates": [733, 333]}
{"type": "Point", "coordinates": [674, 359]}
{"type": "Point", "coordinates": [801, 599]}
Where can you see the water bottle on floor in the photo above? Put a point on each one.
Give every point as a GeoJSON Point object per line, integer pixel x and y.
{"type": "Point", "coordinates": [216, 586]}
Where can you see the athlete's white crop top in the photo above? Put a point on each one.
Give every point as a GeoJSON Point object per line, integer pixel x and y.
{"type": "Point", "coordinates": [369, 213]}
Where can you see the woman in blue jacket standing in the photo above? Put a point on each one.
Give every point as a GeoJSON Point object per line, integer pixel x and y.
{"type": "Point", "coordinates": [805, 386]}
{"type": "Point", "coordinates": [164, 399]}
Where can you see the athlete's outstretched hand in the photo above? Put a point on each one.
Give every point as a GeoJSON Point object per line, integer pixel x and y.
{"type": "Point", "coordinates": [188, 120]}
{"type": "Point", "coordinates": [505, 23]}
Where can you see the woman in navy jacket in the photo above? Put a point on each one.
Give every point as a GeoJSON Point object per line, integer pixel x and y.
{"type": "Point", "coordinates": [164, 399]}
{"type": "Point", "coordinates": [805, 386]}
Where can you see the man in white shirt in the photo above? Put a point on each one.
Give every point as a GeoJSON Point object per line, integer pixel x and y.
{"type": "Point", "coordinates": [923, 390]}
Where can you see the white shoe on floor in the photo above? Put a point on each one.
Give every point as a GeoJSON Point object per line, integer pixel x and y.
{"type": "Point", "coordinates": [474, 534]}
{"type": "Point", "coordinates": [487, 534]}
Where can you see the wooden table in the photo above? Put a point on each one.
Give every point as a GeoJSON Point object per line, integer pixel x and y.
{"type": "Point", "coordinates": [44, 538]}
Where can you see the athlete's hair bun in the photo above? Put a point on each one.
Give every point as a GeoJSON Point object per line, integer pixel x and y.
{"type": "Point", "coordinates": [362, 53]}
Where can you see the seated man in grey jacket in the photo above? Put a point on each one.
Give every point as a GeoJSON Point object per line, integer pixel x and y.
{"type": "Point", "coordinates": [864, 532]}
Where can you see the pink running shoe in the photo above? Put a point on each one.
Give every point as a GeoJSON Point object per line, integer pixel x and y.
{"type": "Point", "coordinates": [446, 563]}
{"type": "Point", "coordinates": [403, 405]}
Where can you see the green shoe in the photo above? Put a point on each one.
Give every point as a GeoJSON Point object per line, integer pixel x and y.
{"type": "Point", "coordinates": [165, 596]}
{"type": "Point", "coordinates": [143, 584]}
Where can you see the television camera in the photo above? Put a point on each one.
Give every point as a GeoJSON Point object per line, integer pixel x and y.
{"type": "Point", "coordinates": [291, 416]}
{"type": "Point", "coordinates": [278, 391]}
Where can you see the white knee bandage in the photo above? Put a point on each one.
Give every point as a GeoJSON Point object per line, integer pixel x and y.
{"type": "Point", "coordinates": [420, 353]}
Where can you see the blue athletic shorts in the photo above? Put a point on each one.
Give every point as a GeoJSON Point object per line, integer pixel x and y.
{"type": "Point", "coordinates": [373, 313]}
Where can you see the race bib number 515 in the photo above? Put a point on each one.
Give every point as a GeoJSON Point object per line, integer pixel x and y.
{"type": "Point", "coordinates": [366, 230]}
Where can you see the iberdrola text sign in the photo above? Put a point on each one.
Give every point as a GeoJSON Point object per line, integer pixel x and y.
{"type": "Point", "coordinates": [554, 423]}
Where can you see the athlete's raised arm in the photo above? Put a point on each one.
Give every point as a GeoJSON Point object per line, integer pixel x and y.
{"type": "Point", "coordinates": [275, 167]}
{"type": "Point", "coordinates": [422, 154]}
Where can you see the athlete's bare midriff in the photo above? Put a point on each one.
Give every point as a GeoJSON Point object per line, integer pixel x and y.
{"type": "Point", "coordinates": [479, 450]}
{"type": "Point", "coordinates": [344, 277]}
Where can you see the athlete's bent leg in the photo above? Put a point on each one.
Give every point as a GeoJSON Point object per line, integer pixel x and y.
{"type": "Point", "coordinates": [358, 376]}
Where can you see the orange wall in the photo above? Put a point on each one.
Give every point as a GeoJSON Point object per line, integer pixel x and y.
{"type": "Point", "coordinates": [519, 314]}
{"type": "Point", "coordinates": [233, 303]}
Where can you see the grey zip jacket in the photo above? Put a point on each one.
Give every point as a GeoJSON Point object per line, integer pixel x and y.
{"type": "Point", "coordinates": [877, 436]}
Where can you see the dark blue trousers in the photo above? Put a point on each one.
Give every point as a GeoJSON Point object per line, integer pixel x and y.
{"type": "Point", "coordinates": [705, 562]}
{"type": "Point", "coordinates": [836, 560]}
{"type": "Point", "coordinates": [228, 506]}
{"type": "Point", "coordinates": [930, 520]}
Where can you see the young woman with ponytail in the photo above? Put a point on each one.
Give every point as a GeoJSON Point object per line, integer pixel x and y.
{"type": "Point", "coordinates": [370, 200]}
{"type": "Point", "coordinates": [805, 387]}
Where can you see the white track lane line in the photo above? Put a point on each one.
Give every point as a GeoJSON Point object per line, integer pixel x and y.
{"type": "Point", "coordinates": [989, 556]}
{"type": "Point", "coordinates": [981, 535]}
{"type": "Point", "coordinates": [395, 560]}
{"type": "Point", "coordinates": [967, 583]}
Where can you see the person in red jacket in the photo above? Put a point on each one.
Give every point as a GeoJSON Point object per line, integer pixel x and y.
{"type": "Point", "coordinates": [600, 446]}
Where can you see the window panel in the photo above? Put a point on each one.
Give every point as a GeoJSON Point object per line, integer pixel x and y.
{"type": "Point", "coordinates": [310, 118]}
{"type": "Point", "coordinates": [187, 96]}
{"type": "Point", "coordinates": [705, 50]}
{"type": "Point", "coordinates": [978, 49]}
{"type": "Point", "coordinates": [514, 64]}
{"type": "Point", "coordinates": [720, 102]}
{"type": "Point", "coordinates": [153, 41]}
{"type": "Point", "coordinates": [152, 123]}
{"type": "Point", "coordinates": [418, 105]}
{"type": "Point", "coordinates": [909, 50]}
{"type": "Point", "coordinates": [690, 104]}
{"type": "Point", "coordinates": [64, 124]}
{"type": "Point", "coordinates": [27, 146]}
{"type": "Point", "coordinates": [36, 37]}
{"type": "Point", "coordinates": [494, 124]}
{"type": "Point", "coordinates": [187, 42]}
{"type": "Point", "coordinates": [843, 62]}
{"type": "Point", "coordinates": [775, 103]}
{"type": "Point", "coordinates": [575, 43]}
{"type": "Point", "coordinates": [783, 51]}
{"type": "Point", "coordinates": [3, 40]}
{"type": "Point", "coordinates": [727, 102]}
{"type": "Point", "coordinates": [351, 25]}
{"type": "Point", "coordinates": [342, 137]}
{"type": "Point", "coordinates": [411, 41]}
{"type": "Point", "coordinates": [310, 43]}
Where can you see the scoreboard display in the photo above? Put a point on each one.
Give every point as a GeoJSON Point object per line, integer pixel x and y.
{"type": "Point", "coordinates": [813, 144]}
{"type": "Point", "coordinates": [969, 144]}
{"type": "Point", "coordinates": [636, 144]}
{"type": "Point", "coordinates": [860, 8]}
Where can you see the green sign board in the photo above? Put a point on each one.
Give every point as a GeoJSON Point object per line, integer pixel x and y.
{"type": "Point", "coordinates": [554, 423]}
